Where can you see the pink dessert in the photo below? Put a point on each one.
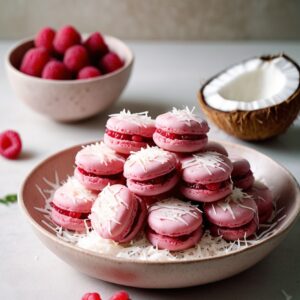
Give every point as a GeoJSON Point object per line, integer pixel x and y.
{"type": "Point", "coordinates": [234, 217]}
{"type": "Point", "coordinates": [97, 166]}
{"type": "Point", "coordinates": [127, 132]}
{"type": "Point", "coordinates": [206, 177]}
{"type": "Point", "coordinates": [118, 214]}
{"type": "Point", "coordinates": [151, 171]}
{"type": "Point", "coordinates": [263, 199]}
{"type": "Point", "coordinates": [180, 131]}
{"type": "Point", "coordinates": [215, 147]}
{"type": "Point", "coordinates": [241, 175]}
{"type": "Point", "coordinates": [71, 206]}
{"type": "Point", "coordinates": [174, 225]}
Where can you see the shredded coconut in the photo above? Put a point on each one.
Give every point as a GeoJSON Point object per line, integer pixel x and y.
{"type": "Point", "coordinates": [187, 115]}
{"type": "Point", "coordinates": [140, 248]}
{"type": "Point", "coordinates": [140, 118]}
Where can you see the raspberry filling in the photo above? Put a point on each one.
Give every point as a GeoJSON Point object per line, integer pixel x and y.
{"type": "Point", "coordinates": [158, 180]}
{"type": "Point", "coordinates": [215, 186]}
{"type": "Point", "coordinates": [128, 137]}
{"type": "Point", "coordinates": [175, 136]}
{"type": "Point", "coordinates": [240, 177]}
{"type": "Point", "coordinates": [117, 176]}
{"type": "Point", "coordinates": [181, 238]}
{"type": "Point", "coordinates": [72, 214]}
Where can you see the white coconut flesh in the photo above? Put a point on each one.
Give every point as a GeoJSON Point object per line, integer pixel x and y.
{"type": "Point", "coordinates": [254, 84]}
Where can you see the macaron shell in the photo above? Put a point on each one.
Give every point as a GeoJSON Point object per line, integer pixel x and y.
{"type": "Point", "coordinates": [236, 215]}
{"type": "Point", "coordinates": [215, 147]}
{"type": "Point", "coordinates": [149, 168]}
{"type": "Point", "coordinates": [166, 218]}
{"type": "Point", "coordinates": [200, 173]}
{"type": "Point", "coordinates": [185, 146]}
{"type": "Point", "coordinates": [138, 223]}
{"type": "Point", "coordinates": [113, 212]}
{"type": "Point", "coordinates": [233, 234]}
{"type": "Point", "coordinates": [244, 183]}
{"type": "Point", "coordinates": [95, 183]}
{"type": "Point", "coordinates": [240, 165]}
{"type": "Point", "coordinates": [206, 195]}
{"type": "Point", "coordinates": [263, 199]}
{"type": "Point", "coordinates": [169, 122]}
{"type": "Point", "coordinates": [130, 127]}
{"type": "Point", "coordinates": [174, 243]}
{"type": "Point", "coordinates": [105, 165]}
{"type": "Point", "coordinates": [68, 222]}
{"type": "Point", "coordinates": [74, 198]}
{"type": "Point", "coordinates": [123, 146]}
{"type": "Point", "coordinates": [152, 189]}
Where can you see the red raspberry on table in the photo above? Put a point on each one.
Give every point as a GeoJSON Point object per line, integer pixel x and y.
{"type": "Point", "coordinates": [96, 45]}
{"type": "Point", "coordinates": [76, 57]}
{"type": "Point", "coordinates": [91, 296]}
{"type": "Point", "coordinates": [110, 62]}
{"type": "Point", "coordinates": [10, 144]}
{"type": "Point", "coordinates": [34, 61]}
{"type": "Point", "coordinates": [88, 72]}
{"type": "Point", "coordinates": [56, 70]}
{"type": "Point", "coordinates": [66, 37]}
{"type": "Point", "coordinates": [121, 295]}
{"type": "Point", "coordinates": [44, 38]}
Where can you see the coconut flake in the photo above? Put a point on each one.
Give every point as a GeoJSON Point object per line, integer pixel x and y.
{"type": "Point", "coordinates": [187, 115]}
{"type": "Point", "coordinates": [207, 160]}
{"type": "Point", "coordinates": [141, 118]}
{"type": "Point", "coordinates": [173, 209]}
{"type": "Point", "coordinates": [101, 152]}
{"type": "Point", "coordinates": [146, 156]}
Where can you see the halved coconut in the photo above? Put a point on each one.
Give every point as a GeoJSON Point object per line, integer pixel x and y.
{"type": "Point", "coordinates": [256, 99]}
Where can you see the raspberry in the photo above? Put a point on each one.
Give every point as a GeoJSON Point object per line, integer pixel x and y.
{"type": "Point", "coordinates": [44, 38]}
{"type": "Point", "coordinates": [88, 72]}
{"type": "Point", "coordinates": [76, 57]}
{"type": "Point", "coordinates": [56, 70]}
{"type": "Point", "coordinates": [213, 186]}
{"type": "Point", "coordinates": [10, 144]}
{"type": "Point", "coordinates": [110, 62]}
{"type": "Point", "coordinates": [96, 45]}
{"type": "Point", "coordinates": [91, 296]}
{"type": "Point", "coordinates": [65, 38]}
{"type": "Point", "coordinates": [34, 61]}
{"type": "Point", "coordinates": [121, 295]}
{"type": "Point", "coordinates": [137, 138]}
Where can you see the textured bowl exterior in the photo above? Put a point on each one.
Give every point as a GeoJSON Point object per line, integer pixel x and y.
{"type": "Point", "coordinates": [259, 124]}
{"type": "Point", "coordinates": [164, 274]}
{"type": "Point", "coordinates": [69, 100]}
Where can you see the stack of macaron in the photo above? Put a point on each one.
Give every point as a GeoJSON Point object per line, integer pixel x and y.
{"type": "Point", "coordinates": [157, 176]}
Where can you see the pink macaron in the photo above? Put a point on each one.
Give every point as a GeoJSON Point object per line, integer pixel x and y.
{"type": "Point", "coordinates": [174, 225]}
{"type": "Point", "coordinates": [71, 205]}
{"type": "Point", "coordinates": [118, 214]}
{"type": "Point", "coordinates": [128, 132]}
{"type": "Point", "coordinates": [97, 166]}
{"type": "Point", "coordinates": [233, 217]}
{"type": "Point", "coordinates": [180, 131]}
{"type": "Point", "coordinates": [151, 171]}
{"type": "Point", "coordinates": [206, 177]}
{"type": "Point", "coordinates": [264, 200]}
{"type": "Point", "coordinates": [242, 175]}
{"type": "Point", "coordinates": [215, 147]}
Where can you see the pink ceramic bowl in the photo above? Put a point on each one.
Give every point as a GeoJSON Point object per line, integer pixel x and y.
{"type": "Point", "coordinates": [161, 274]}
{"type": "Point", "coordinates": [69, 100]}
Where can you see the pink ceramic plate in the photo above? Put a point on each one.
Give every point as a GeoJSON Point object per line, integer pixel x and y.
{"type": "Point", "coordinates": [162, 274]}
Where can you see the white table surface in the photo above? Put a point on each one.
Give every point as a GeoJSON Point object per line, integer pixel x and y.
{"type": "Point", "coordinates": [165, 75]}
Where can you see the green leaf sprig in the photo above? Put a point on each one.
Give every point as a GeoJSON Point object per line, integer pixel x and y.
{"type": "Point", "coordinates": [8, 199]}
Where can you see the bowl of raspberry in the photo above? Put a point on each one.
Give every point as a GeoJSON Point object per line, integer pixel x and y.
{"type": "Point", "coordinates": [68, 77]}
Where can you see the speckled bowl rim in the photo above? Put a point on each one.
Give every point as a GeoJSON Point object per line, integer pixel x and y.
{"type": "Point", "coordinates": [286, 225]}
{"type": "Point", "coordinates": [128, 62]}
